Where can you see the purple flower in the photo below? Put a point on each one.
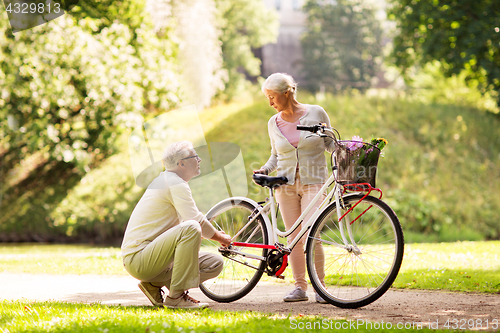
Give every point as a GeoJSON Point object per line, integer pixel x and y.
{"type": "Point", "coordinates": [356, 143]}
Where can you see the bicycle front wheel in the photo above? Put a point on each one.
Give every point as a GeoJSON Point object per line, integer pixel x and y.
{"type": "Point", "coordinates": [354, 262]}
{"type": "Point", "coordinates": [240, 273]}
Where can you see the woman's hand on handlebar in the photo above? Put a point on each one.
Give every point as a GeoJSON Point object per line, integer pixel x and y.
{"type": "Point", "coordinates": [261, 171]}
{"type": "Point", "coordinates": [320, 129]}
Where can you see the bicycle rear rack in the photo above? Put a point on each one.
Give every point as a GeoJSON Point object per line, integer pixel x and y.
{"type": "Point", "coordinates": [359, 187]}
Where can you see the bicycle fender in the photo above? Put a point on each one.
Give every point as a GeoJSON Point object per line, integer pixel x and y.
{"type": "Point", "coordinates": [319, 215]}
{"type": "Point", "coordinates": [254, 204]}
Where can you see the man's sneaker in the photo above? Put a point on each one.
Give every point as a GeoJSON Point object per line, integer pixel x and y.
{"type": "Point", "coordinates": [296, 295]}
{"type": "Point", "coordinates": [183, 302]}
{"type": "Point", "coordinates": [155, 294]}
{"type": "Point", "coordinates": [320, 299]}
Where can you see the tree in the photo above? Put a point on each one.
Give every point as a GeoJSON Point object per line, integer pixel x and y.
{"type": "Point", "coordinates": [244, 25]}
{"type": "Point", "coordinates": [342, 45]}
{"type": "Point", "coordinates": [67, 88]}
{"type": "Point", "coordinates": [217, 41]}
{"type": "Point", "coordinates": [461, 34]}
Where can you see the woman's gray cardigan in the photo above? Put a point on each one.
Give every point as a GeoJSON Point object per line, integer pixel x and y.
{"type": "Point", "coordinates": [309, 153]}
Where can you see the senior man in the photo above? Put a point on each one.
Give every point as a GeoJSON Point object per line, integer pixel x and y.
{"type": "Point", "coordinates": [163, 236]}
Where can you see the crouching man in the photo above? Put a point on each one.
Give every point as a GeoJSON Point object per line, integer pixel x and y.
{"type": "Point", "coordinates": [161, 246]}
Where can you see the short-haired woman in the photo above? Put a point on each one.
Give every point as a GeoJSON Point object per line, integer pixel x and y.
{"type": "Point", "coordinates": [300, 157]}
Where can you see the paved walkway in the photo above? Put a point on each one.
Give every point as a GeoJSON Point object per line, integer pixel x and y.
{"type": "Point", "coordinates": [110, 290]}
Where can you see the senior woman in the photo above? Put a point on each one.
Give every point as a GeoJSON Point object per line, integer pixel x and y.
{"type": "Point", "coordinates": [300, 157]}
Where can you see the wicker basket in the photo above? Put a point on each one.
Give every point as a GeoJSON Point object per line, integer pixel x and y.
{"type": "Point", "coordinates": [357, 162]}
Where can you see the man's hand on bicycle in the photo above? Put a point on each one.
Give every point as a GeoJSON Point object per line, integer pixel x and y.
{"type": "Point", "coordinates": [223, 238]}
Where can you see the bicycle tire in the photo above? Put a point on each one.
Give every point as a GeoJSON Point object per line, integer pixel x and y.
{"type": "Point", "coordinates": [352, 278]}
{"type": "Point", "coordinates": [236, 280]}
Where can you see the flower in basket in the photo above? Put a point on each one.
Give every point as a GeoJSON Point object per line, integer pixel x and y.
{"type": "Point", "coordinates": [380, 143]}
{"type": "Point", "coordinates": [355, 143]}
{"type": "Point", "coordinates": [371, 156]}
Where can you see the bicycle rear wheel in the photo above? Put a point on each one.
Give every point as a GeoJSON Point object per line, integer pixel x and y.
{"type": "Point", "coordinates": [356, 274]}
{"type": "Point", "coordinates": [240, 274]}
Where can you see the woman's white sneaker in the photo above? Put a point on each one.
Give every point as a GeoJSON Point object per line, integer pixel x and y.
{"type": "Point", "coordinates": [296, 295]}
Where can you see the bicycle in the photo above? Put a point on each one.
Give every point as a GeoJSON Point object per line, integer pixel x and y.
{"type": "Point", "coordinates": [354, 242]}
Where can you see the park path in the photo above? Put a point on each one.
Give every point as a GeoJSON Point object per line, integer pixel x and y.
{"type": "Point", "coordinates": [399, 307]}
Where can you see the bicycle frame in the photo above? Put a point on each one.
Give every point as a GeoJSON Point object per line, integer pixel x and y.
{"type": "Point", "coordinates": [271, 207]}
{"type": "Point", "coordinates": [343, 219]}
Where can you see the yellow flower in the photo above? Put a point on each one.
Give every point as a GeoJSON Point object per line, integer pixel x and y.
{"type": "Point", "coordinates": [382, 139]}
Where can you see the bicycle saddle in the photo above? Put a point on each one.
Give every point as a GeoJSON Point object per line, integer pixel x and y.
{"type": "Point", "coordinates": [268, 181]}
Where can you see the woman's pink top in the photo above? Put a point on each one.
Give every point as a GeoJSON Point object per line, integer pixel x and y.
{"type": "Point", "coordinates": [289, 130]}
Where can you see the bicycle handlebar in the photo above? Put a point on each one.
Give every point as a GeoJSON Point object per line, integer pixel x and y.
{"type": "Point", "coordinates": [313, 128]}
{"type": "Point", "coordinates": [320, 129]}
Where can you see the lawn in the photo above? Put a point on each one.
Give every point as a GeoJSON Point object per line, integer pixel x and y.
{"type": "Point", "coordinates": [459, 266]}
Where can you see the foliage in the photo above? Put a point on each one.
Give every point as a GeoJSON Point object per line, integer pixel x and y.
{"type": "Point", "coordinates": [104, 13]}
{"type": "Point", "coordinates": [430, 86]}
{"type": "Point", "coordinates": [67, 89]}
{"type": "Point", "coordinates": [342, 45]}
{"type": "Point", "coordinates": [460, 34]}
{"type": "Point", "coordinates": [245, 25]}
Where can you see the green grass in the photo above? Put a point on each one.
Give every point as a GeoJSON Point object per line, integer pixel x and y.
{"type": "Point", "coordinates": [64, 317]}
{"type": "Point", "coordinates": [460, 266]}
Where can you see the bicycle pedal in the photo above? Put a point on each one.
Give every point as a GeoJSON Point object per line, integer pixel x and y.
{"type": "Point", "coordinates": [280, 277]}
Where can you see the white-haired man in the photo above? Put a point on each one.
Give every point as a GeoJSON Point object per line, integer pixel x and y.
{"type": "Point", "coordinates": [163, 236]}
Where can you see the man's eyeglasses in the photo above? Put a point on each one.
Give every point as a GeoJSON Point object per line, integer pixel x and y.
{"type": "Point", "coordinates": [194, 156]}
